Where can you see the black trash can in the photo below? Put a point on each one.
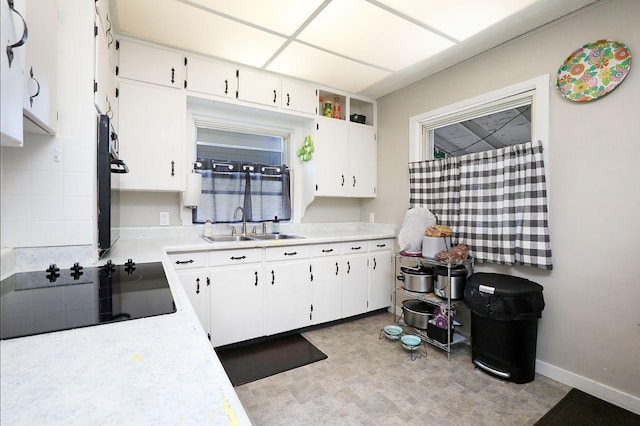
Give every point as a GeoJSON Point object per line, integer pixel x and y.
{"type": "Point", "coordinates": [504, 324]}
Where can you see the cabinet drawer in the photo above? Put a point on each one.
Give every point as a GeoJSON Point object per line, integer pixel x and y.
{"type": "Point", "coordinates": [354, 247]}
{"type": "Point", "coordinates": [376, 245]}
{"type": "Point", "coordinates": [188, 260]}
{"type": "Point", "coordinates": [327, 249]}
{"type": "Point", "coordinates": [235, 257]}
{"type": "Point", "coordinates": [286, 252]}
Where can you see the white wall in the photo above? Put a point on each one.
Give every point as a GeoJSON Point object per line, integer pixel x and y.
{"type": "Point", "coordinates": [589, 336]}
{"type": "Point", "coordinates": [46, 202]}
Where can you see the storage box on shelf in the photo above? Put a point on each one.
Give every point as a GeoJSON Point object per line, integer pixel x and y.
{"type": "Point", "coordinates": [442, 339]}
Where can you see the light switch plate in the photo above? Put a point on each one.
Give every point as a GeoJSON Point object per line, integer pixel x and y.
{"type": "Point", "coordinates": [164, 218]}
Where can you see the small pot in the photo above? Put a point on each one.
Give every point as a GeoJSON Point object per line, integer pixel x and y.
{"type": "Point", "coordinates": [419, 280]}
{"type": "Point", "coordinates": [417, 313]}
{"type": "Point", "coordinates": [358, 118]}
{"type": "Point", "coordinates": [455, 289]}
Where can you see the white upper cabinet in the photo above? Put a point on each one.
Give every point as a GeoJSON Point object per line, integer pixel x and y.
{"type": "Point", "coordinates": [151, 135]}
{"type": "Point", "coordinates": [211, 78]}
{"type": "Point", "coordinates": [258, 87]}
{"type": "Point", "coordinates": [363, 160]}
{"type": "Point", "coordinates": [331, 157]}
{"type": "Point", "coordinates": [299, 97]}
{"type": "Point", "coordinates": [151, 65]}
{"type": "Point", "coordinates": [346, 151]}
{"type": "Point", "coordinates": [12, 29]}
{"type": "Point", "coordinates": [41, 67]}
{"type": "Point", "coordinates": [105, 65]}
{"type": "Point", "coordinates": [104, 84]}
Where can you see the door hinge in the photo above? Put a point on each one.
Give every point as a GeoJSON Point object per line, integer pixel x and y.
{"type": "Point", "coordinates": [117, 70]}
{"type": "Point", "coordinates": [209, 336]}
{"type": "Point", "coordinates": [117, 92]}
{"type": "Point", "coordinates": [185, 84]}
{"type": "Point", "coordinates": [117, 44]}
{"type": "Point", "coordinates": [208, 281]}
{"type": "Point", "coordinates": [95, 86]}
{"type": "Point", "coordinates": [185, 61]}
{"type": "Point", "coordinates": [317, 126]}
{"type": "Point", "coordinates": [95, 31]}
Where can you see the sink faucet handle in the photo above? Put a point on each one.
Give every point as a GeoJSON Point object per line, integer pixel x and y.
{"type": "Point", "coordinates": [233, 229]}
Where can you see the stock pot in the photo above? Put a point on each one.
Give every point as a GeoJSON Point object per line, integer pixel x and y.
{"type": "Point", "coordinates": [418, 279]}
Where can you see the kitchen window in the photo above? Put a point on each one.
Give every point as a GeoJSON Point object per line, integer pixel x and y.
{"type": "Point", "coordinates": [242, 167]}
{"type": "Point", "coordinates": [493, 197]}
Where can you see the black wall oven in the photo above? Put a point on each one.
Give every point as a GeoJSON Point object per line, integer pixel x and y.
{"type": "Point", "coordinates": [108, 197]}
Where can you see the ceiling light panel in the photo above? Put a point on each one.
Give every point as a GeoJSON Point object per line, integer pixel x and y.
{"type": "Point", "coordinates": [281, 16]}
{"type": "Point", "coordinates": [185, 27]}
{"type": "Point", "coordinates": [307, 63]}
{"type": "Point", "coordinates": [370, 34]}
{"type": "Point", "coordinates": [459, 19]}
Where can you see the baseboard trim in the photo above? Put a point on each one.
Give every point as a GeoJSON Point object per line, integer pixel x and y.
{"type": "Point", "coordinates": [604, 392]}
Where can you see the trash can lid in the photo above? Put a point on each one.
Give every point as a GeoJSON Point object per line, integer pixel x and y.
{"type": "Point", "coordinates": [502, 284]}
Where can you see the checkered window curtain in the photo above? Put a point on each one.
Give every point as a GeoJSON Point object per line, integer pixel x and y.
{"type": "Point", "coordinates": [495, 202]}
{"type": "Point", "coordinates": [263, 191]}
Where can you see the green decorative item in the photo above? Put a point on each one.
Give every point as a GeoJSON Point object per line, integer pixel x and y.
{"type": "Point", "coordinates": [304, 153]}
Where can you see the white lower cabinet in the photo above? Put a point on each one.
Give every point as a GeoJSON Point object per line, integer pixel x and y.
{"type": "Point", "coordinates": [355, 279]}
{"type": "Point", "coordinates": [236, 295]}
{"type": "Point", "coordinates": [237, 303]}
{"type": "Point", "coordinates": [288, 295]}
{"type": "Point", "coordinates": [380, 274]}
{"type": "Point", "coordinates": [242, 294]}
{"type": "Point", "coordinates": [326, 283]}
{"type": "Point", "coordinates": [193, 273]}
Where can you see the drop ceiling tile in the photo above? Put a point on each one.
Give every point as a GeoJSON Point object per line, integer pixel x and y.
{"type": "Point", "coordinates": [459, 19]}
{"type": "Point", "coordinates": [282, 16]}
{"type": "Point", "coordinates": [185, 27]}
{"type": "Point", "coordinates": [368, 33]}
{"type": "Point", "coordinates": [308, 63]}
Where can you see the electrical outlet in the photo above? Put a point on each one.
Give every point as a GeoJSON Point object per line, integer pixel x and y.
{"type": "Point", "coordinates": [164, 218]}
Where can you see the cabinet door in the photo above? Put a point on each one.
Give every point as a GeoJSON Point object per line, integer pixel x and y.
{"type": "Point", "coordinates": [211, 78]}
{"type": "Point", "coordinates": [11, 77]}
{"type": "Point", "coordinates": [363, 161]}
{"type": "Point", "coordinates": [355, 285]}
{"type": "Point", "coordinates": [237, 303]}
{"type": "Point", "coordinates": [288, 295]}
{"type": "Point", "coordinates": [41, 67]}
{"type": "Point", "coordinates": [151, 136]}
{"type": "Point", "coordinates": [196, 284]}
{"type": "Point", "coordinates": [299, 97]}
{"type": "Point", "coordinates": [326, 289]}
{"type": "Point", "coordinates": [380, 279]}
{"type": "Point", "coordinates": [104, 78]}
{"type": "Point", "coordinates": [331, 158]}
{"type": "Point", "coordinates": [257, 87]}
{"type": "Point", "coordinates": [151, 65]}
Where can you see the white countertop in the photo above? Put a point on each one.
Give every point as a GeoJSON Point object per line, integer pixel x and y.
{"type": "Point", "coordinates": [158, 370]}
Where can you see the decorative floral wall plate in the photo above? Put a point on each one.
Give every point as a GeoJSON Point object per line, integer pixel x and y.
{"type": "Point", "coordinates": [593, 70]}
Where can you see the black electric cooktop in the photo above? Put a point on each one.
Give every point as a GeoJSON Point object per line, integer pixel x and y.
{"type": "Point", "coordinates": [61, 299]}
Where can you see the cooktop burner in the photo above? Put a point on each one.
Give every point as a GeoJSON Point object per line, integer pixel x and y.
{"type": "Point", "coordinates": [61, 299]}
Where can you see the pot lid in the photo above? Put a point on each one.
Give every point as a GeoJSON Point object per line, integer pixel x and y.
{"type": "Point", "coordinates": [416, 271]}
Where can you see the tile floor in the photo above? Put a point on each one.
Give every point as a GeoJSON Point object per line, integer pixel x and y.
{"type": "Point", "coordinates": [370, 381]}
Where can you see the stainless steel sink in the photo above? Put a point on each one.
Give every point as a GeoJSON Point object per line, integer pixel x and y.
{"type": "Point", "coordinates": [240, 237]}
{"type": "Point", "coordinates": [228, 238]}
{"type": "Point", "coordinates": [270, 237]}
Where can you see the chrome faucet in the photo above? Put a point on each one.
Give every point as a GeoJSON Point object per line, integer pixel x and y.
{"type": "Point", "coordinates": [244, 220]}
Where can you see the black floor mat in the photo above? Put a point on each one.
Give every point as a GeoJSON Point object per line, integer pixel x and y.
{"type": "Point", "coordinates": [579, 408]}
{"type": "Point", "coordinates": [255, 361]}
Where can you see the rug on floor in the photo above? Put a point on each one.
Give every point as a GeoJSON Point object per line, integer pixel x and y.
{"type": "Point", "coordinates": [579, 408]}
{"type": "Point", "coordinates": [246, 363]}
